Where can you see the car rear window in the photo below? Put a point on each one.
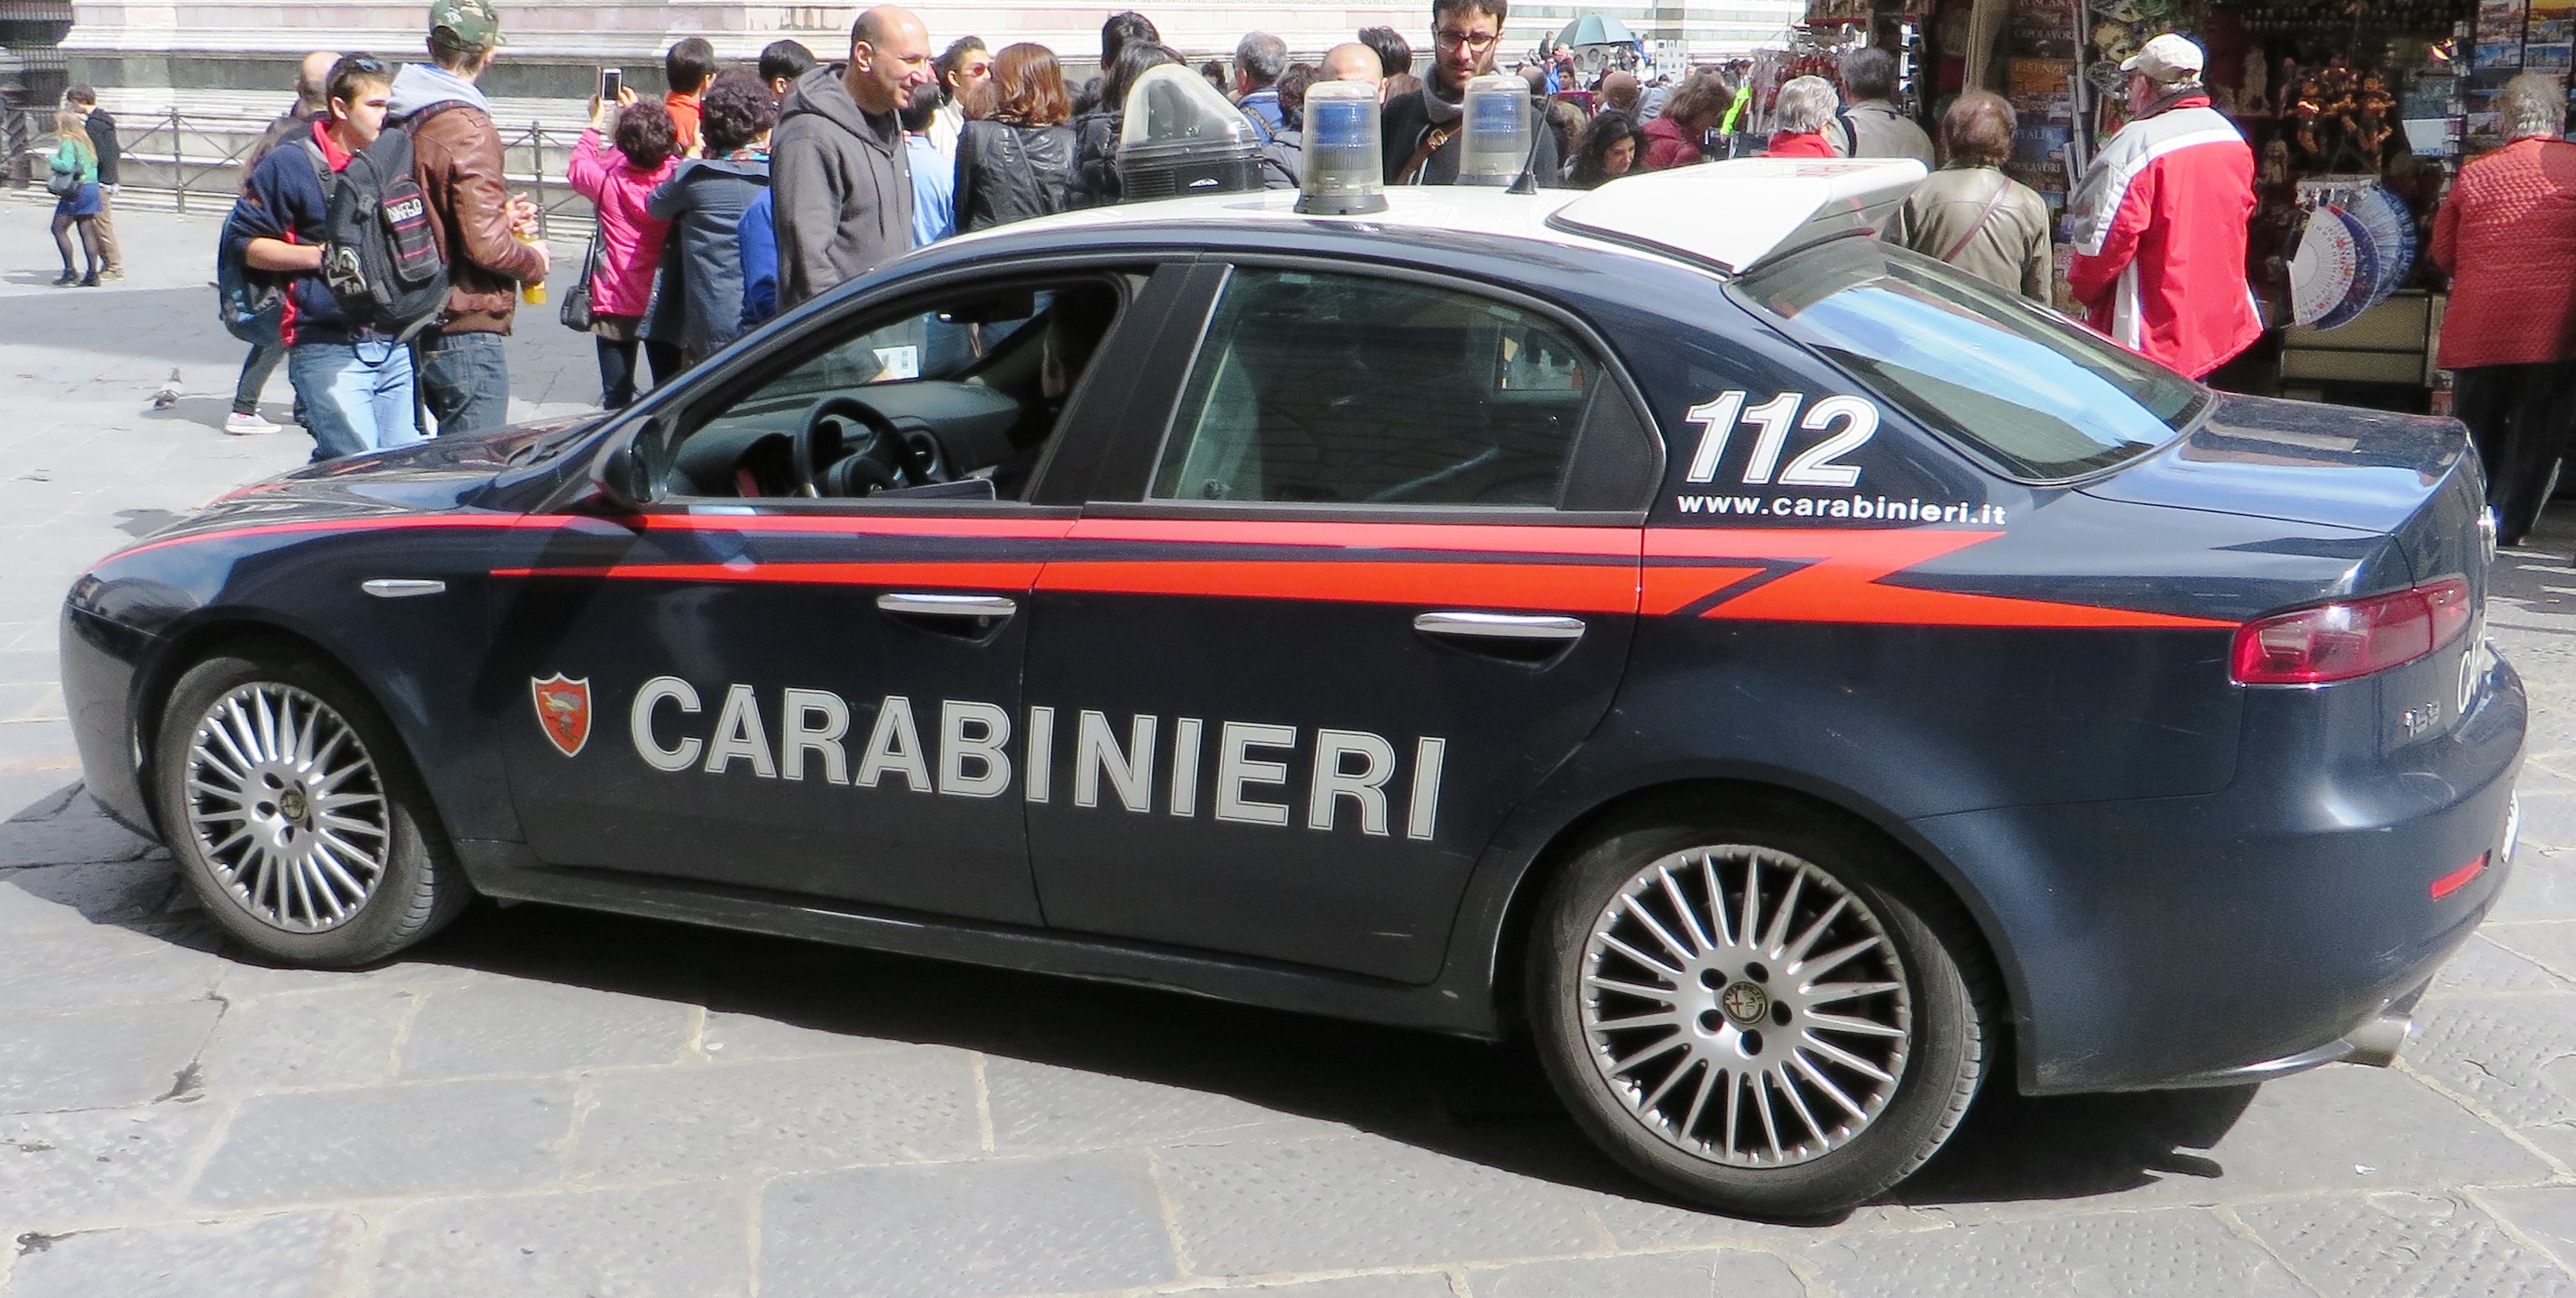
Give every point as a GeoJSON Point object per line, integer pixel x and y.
{"type": "Point", "coordinates": [2040, 396]}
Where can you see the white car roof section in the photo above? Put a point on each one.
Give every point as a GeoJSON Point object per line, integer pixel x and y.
{"type": "Point", "coordinates": [1728, 215]}
{"type": "Point", "coordinates": [1734, 214]}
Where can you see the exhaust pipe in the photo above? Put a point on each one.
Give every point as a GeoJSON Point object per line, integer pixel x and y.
{"type": "Point", "coordinates": [2375, 1044]}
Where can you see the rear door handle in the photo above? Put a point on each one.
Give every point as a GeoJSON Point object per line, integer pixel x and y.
{"type": "Point", "coordinates": [936, 605]}
{"type": "Point", "coordinates": [1551, 629]}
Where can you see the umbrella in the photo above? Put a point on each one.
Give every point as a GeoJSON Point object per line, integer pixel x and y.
{"type": "Point", "coordinates": [1593, 29]}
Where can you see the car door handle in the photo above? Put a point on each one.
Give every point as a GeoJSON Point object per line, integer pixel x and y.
{"type": "Point", "coordinates": [401, 587]}
{"type": "Point", "coordinates": [934, 605]}
{"type": "Point", "coordinates": [1501, 626]}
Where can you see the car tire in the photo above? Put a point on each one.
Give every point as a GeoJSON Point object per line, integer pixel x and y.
{"type": "Point", "coordinates": [1839, 1088]}
{"type": "Point", "coordinates": [296, 815]}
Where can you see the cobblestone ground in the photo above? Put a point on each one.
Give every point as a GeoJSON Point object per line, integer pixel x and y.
{"type": "Point", "coordinates": [544, 1102]}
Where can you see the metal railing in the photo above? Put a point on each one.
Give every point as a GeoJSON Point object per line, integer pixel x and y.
{"type": "Point", "coordinates": [193, 161]}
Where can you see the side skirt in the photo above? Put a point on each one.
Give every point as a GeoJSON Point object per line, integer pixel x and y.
{"type": "Point", "coordinates": [509, 871]}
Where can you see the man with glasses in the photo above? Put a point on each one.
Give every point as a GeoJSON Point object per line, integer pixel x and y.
{"type": "Point", "coordinates": [1421, 129]}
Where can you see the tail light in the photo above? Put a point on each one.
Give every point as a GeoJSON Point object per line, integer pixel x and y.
{"type": "Point", "coordinates": [2351, 637]}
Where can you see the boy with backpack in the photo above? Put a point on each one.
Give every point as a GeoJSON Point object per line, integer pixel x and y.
{"type": "Point", "coordinates": [353, 377]}
{"type": "Point", "coordinates": [485, 233]}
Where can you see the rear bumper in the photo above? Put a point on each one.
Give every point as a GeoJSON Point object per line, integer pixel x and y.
{"type": "Point", "coordinates": [2249, 933]}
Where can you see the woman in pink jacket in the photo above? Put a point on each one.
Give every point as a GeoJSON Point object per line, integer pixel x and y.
{"type": "Point", "coordinates": [619, 180]}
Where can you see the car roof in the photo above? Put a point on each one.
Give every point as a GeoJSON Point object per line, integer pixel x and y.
{"type": "Point", "coordinates": [1730, 216]}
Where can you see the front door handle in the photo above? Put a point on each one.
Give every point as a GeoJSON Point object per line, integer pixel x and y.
{"type": "Point", "coordinates": [1551, 629]}
{"type": "Point", "coordinates": [935, 605]}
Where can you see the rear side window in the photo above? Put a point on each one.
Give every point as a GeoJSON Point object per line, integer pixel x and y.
{"type": "Point", "coordinates": [2043, 397]}
{"type": "Point", "coordinates": [1318, 388]}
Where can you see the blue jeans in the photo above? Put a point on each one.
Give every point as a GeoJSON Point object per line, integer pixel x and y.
{"type": "Point", "coordinates": [357, 396]}
{"type": "Point", "coordinates": [466, 380]}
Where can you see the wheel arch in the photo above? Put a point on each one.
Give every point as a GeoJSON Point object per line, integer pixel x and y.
{"type": "Point", "coordinates": [1506, 953]}
{"type": "Point", "coordinates": [201, 639]}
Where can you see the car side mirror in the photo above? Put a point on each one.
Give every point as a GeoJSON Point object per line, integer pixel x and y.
{"type": "Point", "coordinates": [627, 472]}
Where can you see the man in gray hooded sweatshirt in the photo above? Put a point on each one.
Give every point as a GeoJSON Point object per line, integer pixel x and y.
{"type": "Point", "coordinates": [838, 171]}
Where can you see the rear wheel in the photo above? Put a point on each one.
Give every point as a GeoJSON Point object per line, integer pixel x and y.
{"type": "Point", "coordinates": [291, 808]}
{"type": "Point", "coordinates": [1769, 1015]}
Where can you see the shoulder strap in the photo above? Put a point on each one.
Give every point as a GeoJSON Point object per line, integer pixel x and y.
{"type": "Point", "coordinates": [1432, 138]}
{"type": "Point", "coordinates": [2003, 185]}
{"type": "Point", "coordinates": [330, 180]}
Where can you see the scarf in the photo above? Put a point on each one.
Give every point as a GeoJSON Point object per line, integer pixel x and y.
{"type": "Point", "coordinates": [1443, 111]}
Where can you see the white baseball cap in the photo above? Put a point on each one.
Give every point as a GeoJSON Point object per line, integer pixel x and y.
{"type": "Point", "coordinates": [2165, 60]}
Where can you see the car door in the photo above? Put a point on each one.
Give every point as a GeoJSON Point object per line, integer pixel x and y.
{"type": "Point", "coordinates": [817, 694]}
{"type": "Point", "coordinates": [1304, 651]}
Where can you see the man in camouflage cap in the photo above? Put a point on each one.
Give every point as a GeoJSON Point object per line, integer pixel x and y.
{"type": "Point", "coordinates": [477, 221]}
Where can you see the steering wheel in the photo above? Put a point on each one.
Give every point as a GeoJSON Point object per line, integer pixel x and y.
{"type": "Point", "coordinates": [847, 447]}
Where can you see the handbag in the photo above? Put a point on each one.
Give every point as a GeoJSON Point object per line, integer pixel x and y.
{"type": "Point", "coordinates": [62, 184]}
{"type": "Point", "coordinates": [576, 313]}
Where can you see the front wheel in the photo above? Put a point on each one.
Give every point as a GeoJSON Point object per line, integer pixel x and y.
{"type": "Point", "coordinates": [1768, 1016]}
{"type": "Point", "coordinates": [288, 801]}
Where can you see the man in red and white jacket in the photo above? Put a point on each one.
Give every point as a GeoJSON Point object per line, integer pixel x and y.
{"type": "Point", "coordinates": [2159, 222]}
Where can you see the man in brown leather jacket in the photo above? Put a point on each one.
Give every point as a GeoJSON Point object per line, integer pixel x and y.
{"type": "Point", "coordinates": [457, 159]}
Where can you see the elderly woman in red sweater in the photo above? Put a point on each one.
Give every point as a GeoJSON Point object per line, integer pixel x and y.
{"type": "Point", "coordinates": [2507, 235]}
{"type": "Point", "coordinates": [1798, 116]}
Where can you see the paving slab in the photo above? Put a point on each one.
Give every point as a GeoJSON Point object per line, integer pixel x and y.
{"type": "Point", "coordinates": [100, 1167]}
{"type": "Point", "coordinates": [513, 1025]}
{"type": "Point", "coordinates": [1263, 1207]}
{"type": "Point", "coordinates": [1714, 1274]}
{"type": "Point", "coordinates": [294, 1253]}
{"type": "Point", "coordinates": [2169, 1253]}
{"type": "Point", "coordinates": [113, 1056]}
{"type": "Point", "coordinates": [970, 1230]}
{"type": "Point", "coordinates": [787, 1115]}
{"type": "Point", "coordinates": [672, 1241]}
{"type": "Point", "coordinates": [389, 1142]}
{"type": "Point", "coordinates": [2403, 1245]}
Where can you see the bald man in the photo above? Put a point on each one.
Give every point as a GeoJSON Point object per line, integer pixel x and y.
{"type": "Point", "coordinates": [840, 178]}
{"type": "Point", "coordinates": [1352, 61]}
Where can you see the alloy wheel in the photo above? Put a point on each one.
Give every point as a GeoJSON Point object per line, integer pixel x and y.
{"type": "Point", "coordinates": [287, 807]}
{"type": "Point", "coordinates": [1745, 1006]}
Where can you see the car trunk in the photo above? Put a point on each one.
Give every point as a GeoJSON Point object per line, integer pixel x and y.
{"type": "Point", "coordinates": [2407, 477]}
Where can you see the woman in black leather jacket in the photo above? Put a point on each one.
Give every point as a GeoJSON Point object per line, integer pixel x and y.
{"type": "Point", "coordinates": [1095, 162]}
{"type": "Point", "coordinates": [1018, 161]}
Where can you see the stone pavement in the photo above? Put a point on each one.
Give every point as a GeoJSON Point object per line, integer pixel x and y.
{"type": "Point", "coordinates": [545, 1102]}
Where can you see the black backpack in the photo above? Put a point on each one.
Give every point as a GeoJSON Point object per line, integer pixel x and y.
{"type": "Point", "coordinates": [380, 256]}
{"type": "Point", "coordinates": [251, 305]}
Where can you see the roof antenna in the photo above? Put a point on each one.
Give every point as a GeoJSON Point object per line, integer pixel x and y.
{"type": "Point", "coordinates": [1527, 181]}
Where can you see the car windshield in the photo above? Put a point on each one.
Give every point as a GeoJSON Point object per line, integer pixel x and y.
{"type": "Point", "coordinates": [2038, 394]}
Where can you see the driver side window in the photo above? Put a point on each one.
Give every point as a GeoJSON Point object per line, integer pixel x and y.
{"type": "Point", "coordinates": [932, 397]}
{"type": "Point", "coordinates": [1320, 388]}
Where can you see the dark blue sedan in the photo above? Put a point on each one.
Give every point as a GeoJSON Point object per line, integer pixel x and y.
{"type": "Point", "coordinates": [1790, 680]}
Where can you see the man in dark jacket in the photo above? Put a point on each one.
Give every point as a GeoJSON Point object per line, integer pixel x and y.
{"type": "Point", "coordinates": [102, 141]}
{"type": "Point", "coordinates": [838, 171]}
{"type": "Point", "coordinates": [489, 234]}
{"type": "Point", "coordinates": [355, 383]}
{"type": "Point", "coordinates": [1420, 130]}
{"type": "Point", "coordinates": [312, 99]}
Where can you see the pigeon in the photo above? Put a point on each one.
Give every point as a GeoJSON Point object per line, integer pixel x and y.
{"type": "Point", "coordinates": [168, 396]}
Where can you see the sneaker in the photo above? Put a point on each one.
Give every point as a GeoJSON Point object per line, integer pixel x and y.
{"type": "Point", "coordinates": [250, 425]}
{"type": "Point", "coordinates": [116, 276]}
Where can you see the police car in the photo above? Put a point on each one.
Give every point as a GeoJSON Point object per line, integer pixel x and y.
{"type": "Point", "coordinates": [1793, 682]}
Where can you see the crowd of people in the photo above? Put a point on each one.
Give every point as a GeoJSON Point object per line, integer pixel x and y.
{"type": "Point", "coordinates": [744, 191]}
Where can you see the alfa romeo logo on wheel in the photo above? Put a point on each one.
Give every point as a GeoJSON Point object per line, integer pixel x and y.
{"type": "Point", "coordinates": [1745, 1003]}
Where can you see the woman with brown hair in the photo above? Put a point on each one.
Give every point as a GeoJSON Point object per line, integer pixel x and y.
{"type": "Point", "coordinates": [1018, 161]}
{"type": "Point", "coordinates": [75, 162]}
{"type": "Point", "coordinates": [632, 146]}
{"type": "Point", "coordinates": [1969, 213]}
{"type": "Point", "coordinates": [1674, 138]}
